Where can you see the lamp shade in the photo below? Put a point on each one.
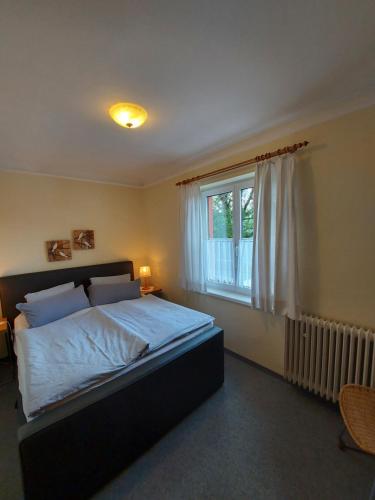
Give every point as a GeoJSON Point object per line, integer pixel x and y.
{"type": "Point", "coordinates": [128, 114]}
{"type": "Point", "coordinates": [144, 271]}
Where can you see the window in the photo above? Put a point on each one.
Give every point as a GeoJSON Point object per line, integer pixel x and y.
{"type": "Point", "coordinates": [229, 212]}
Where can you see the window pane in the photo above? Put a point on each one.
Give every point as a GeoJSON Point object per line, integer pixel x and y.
{"type": "Point", "coordinates": [245, 251]}
{"type": "Point", "coordinates": [220, 215]}
{"type": "Point", "coordinates": [220, 252]}
{"type": "Point", "coordinates": [247, 212]}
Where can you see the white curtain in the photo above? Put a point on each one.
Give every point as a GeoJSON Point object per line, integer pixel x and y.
{"type": "Point", "coordinates": [274, 283]}
{"type": "Point", "coordinates": [193, 265]}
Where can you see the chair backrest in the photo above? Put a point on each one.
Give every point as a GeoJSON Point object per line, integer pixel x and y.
{"type": "Point", "coordinates": [357, 406]}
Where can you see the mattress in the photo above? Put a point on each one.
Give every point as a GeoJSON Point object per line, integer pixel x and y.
{"type": "Point", "coordinates": [184, 336]}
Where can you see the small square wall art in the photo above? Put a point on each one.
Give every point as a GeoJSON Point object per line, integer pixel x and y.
{"type": "Point", "coordinates": [58, 250]}
{"type": "Point", "coordinates": [83, 239]}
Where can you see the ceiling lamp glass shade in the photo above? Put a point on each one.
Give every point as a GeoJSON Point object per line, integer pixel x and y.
{"type": "Point", "coordinates": [128, 114]}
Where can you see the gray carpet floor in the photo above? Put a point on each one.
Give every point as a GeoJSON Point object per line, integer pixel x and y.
{"type": "Point", "coordinates": [256, 438]}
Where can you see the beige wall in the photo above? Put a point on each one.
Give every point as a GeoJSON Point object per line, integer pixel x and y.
{"type": "Point", "coordinates": [336, 211]}
{"type": "Point", "coordinates": [35, 208]}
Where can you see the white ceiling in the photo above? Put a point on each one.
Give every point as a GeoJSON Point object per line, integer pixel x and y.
{"type": "Point", "coordinates": [209, 73]}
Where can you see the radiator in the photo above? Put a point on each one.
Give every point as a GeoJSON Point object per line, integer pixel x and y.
{"type": "Point", "coordinates": [322, 355]}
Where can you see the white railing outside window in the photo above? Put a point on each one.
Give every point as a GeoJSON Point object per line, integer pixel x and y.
{"type": "Point", "coordinates": [245, 255]}
{"type": "Point", "coordinates": [221, 262]}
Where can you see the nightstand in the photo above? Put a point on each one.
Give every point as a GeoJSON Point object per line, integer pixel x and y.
{"type": "Point", "coordinates": [5, 329]}
{"type": "Point", "coordinates": [153, 290]}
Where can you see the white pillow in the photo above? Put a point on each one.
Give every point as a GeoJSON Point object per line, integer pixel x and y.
{"type": "Point", "coordinates": [49, 292]}
{"type": "Point", "coordinates": [110, 280]}
{"type": "Point", "coordinates": [20, 323]}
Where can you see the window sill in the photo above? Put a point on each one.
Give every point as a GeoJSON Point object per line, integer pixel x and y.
{"type": "Point", "coordinates": [229, 296]}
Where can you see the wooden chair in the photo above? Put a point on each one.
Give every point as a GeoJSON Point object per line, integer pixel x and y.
{"type": "Point", "coordinates": [357, 406]}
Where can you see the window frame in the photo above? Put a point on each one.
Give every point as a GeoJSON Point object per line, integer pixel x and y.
{"type": "Point", "coordinates": [232, 292]}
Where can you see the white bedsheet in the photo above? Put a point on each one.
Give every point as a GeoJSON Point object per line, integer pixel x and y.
{"type": "Point", "coordinates": [91, 346]}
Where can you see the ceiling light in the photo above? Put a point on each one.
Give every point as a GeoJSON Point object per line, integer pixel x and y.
{"type": "Point", "coordinates": [128, 114]}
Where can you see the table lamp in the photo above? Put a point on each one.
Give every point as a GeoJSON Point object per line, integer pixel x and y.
{"type": "Point", "coordinates": [145, 273]}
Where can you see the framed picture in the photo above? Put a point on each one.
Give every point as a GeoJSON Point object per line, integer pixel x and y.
{"type": "Point", "coordinates": [83, 239]}
{"type": "Point", "coordinates": [58, 250]}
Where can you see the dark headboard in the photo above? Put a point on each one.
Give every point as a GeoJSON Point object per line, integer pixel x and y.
{"type": "Point", "coordinates": [14, 288]}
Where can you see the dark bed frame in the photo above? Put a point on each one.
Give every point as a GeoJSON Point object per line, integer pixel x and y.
{"type": "Point", "coordinates": [71, 451]}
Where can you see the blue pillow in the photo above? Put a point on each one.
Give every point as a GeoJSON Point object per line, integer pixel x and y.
{"type": "Point", "coordinates": [108, 294]}
{"type": "Point", "coordinates": [53, 308]}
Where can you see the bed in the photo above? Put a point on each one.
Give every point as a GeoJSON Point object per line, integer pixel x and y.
{"type": "Point", "coordinates": [72, 450]}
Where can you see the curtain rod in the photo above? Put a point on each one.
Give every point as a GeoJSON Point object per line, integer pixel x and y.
{"type": "Point", "coordinates": [266, 156]}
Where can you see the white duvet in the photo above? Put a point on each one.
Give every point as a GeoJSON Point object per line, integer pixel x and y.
{"type": "Point", "coordinates": [64, 357]}
{"type": "Point", "coordinates": [155, 320]}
